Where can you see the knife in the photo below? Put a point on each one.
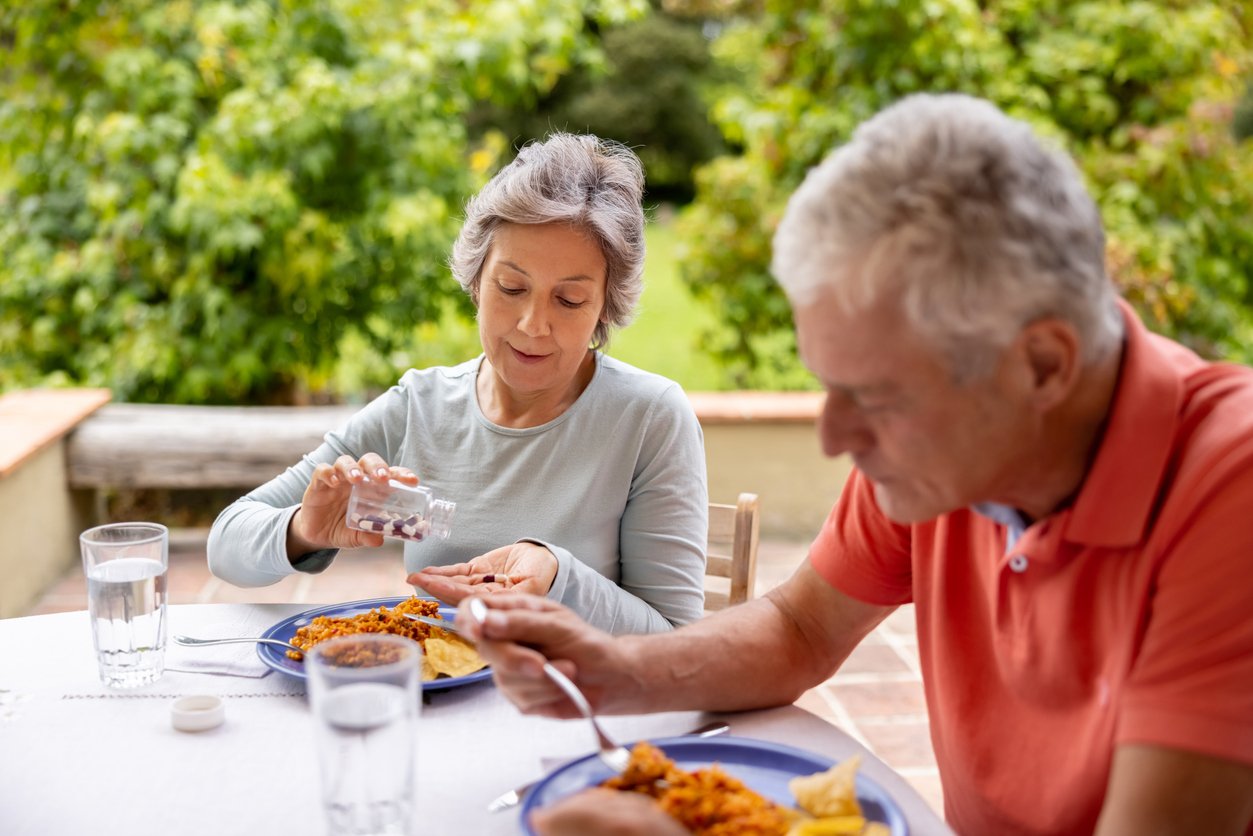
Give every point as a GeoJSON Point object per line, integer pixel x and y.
{"type": "Point", "coordinates": [442, 624]}
{"type": "Point", "coordinates": [513, 797]}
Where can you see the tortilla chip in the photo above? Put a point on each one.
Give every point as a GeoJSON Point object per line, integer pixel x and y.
{"type": "Point", "coordinates": [452, 657]}
{"type": "Point", "coordinates": [831, 793]}
{"type": "Point", "coordinates": [428, 672]}
{"type": "Point", "coordinates": [835, 826]}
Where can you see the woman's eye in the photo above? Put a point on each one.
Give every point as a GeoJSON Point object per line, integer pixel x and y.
{"type": "Point", "coordinates": [509, 291]}
{"type": "Point", "coordinates": [570, 303]}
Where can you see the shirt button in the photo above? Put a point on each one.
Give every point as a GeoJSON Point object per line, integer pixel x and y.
{"type": "Point", "coordinates": [1018, 563]}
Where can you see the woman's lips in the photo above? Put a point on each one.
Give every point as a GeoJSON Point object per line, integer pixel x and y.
{"type": "Point", "coordinates": [528, 359]}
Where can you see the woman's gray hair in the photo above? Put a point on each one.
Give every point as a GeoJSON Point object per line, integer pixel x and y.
{"type": "Point", "coordinates": [964, 214]}
{"type": "Point", "coordinates": [594, 184]}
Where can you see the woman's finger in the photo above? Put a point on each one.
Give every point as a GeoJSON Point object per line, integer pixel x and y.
{"type": "Point", "coordinates": [374, 467]}
{"type": "Point", "coordinates": [349, 469]}
{"type": "Point", "coordinates": [404, 475]}
{"type": "Point", "coordinates": [324, 474]}
{"type": "Point", "coordinates": [454, 570]}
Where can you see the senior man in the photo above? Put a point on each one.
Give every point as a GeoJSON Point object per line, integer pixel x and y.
{"type": "Point", "coordinates": [1065, 497]}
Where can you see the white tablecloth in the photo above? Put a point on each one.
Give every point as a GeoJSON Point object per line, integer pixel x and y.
{"type": "Point", "coordinates": [78, 758]}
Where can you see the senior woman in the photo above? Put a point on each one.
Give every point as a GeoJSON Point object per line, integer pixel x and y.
{"type": "Point", "coordinates": [576, 476]}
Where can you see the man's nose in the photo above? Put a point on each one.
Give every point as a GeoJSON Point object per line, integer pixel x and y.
{"type": "Point", "coordinates": [841, 426]}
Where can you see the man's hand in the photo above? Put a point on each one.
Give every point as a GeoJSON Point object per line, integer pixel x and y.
{"type": "Point", "coordinates": [601, 812]}
{"type": "Point", "coordinates": [524, 567]}
{"type": "Point", "coordinates": [522, 632]}
{"type": "Point", "coordinates": [319, 522]}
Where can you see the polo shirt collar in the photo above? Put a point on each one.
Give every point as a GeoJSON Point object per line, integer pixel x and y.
{"type": "Point", "coordinates": [1118, 494]}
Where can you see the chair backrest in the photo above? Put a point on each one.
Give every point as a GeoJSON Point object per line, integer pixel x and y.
{"type": "Point", "coordinates": [731, 551]}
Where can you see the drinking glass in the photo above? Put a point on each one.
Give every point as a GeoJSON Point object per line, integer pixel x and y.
{"type": "Point", "coordinates": [126, 566]}
{"type": "Point", "coordinates": [366, 696]}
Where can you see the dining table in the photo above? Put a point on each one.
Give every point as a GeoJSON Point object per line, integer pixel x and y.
{"type": "Point", "coordinates": [77, 757]}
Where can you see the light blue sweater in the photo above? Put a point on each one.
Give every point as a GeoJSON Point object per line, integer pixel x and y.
{"type": "Point", "coordinates": [614, 487]}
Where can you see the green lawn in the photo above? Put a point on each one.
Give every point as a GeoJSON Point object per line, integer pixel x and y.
{"type": "Point", "coordinates": [665, 335]}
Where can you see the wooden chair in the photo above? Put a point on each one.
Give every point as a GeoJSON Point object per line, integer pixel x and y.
{"type": "Point", "coordinates": [734, 531]}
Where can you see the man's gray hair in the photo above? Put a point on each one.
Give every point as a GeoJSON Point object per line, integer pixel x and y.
{"type": "Point", "coordinates": [963, 213]}
{"type": "Point", "coordinates": [593, 184]}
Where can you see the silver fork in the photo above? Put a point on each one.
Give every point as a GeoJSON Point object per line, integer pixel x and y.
{"type": "Point", "coordinates": [190, 642]}
{"type": "Point", "coordinates": [612, 754]}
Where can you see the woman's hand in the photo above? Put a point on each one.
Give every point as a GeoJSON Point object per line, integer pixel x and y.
{"type": "Point", "coordinates": [319, 522]}
{"type": "Point", "coordinates": [605, 813]}
{"type": "Point", "coordinates": [525, 567]}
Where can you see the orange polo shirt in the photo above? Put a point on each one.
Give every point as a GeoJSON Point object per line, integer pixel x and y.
{"type": "Point", "coordinates": [1125, 618]}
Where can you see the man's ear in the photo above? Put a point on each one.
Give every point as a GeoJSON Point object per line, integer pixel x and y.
{"type": "Point", "coordinates": [1052, 352]}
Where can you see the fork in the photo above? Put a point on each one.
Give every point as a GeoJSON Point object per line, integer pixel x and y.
{"type": "Point", "coordinates": [613, 754]}
{"type": "Point", "coordinates": [191, 642]}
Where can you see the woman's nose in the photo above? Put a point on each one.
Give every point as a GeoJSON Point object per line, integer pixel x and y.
{"type": "Point", "coordinates": [534, 322]}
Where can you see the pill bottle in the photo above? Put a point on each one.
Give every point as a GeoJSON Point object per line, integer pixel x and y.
{"type": "Point", "coordinates": [395, 509]}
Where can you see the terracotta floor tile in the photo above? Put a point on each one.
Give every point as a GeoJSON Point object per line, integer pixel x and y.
{"type": "Point", "coordinates": [879, 698]}
{"type": "Point", "coordinates": [869, 657]}
{"type": "Point", "coordinates": [904, 744]}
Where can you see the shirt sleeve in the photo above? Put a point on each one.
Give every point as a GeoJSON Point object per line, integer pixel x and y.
{"type": "Point", "coordinates": [1191, 684]}
{"type": "Point", "coordinates": [861, 552]}
{"type": "Point", "coordinates": [248, 541]}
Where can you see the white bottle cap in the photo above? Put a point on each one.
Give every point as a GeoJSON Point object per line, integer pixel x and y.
{"type": "Point", "coordinates": [198, 713]}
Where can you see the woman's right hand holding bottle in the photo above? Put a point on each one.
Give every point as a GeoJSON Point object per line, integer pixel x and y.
{"type": "Point", "coordinates": [319, 522]}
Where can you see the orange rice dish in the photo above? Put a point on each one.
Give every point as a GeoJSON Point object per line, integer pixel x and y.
{"type": "Point", "coordinates": [708, 802]}
{"type": "Point", "coordinates": [378, 620]}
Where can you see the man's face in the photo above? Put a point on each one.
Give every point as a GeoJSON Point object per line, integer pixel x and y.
{"type": "Point", "coordinates": [929, 443]}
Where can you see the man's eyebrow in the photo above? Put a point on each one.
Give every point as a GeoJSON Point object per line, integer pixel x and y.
{"type": "Point", "coordinates": [880, 388]}
{"type": "Point", "coordinates": [578, 277]}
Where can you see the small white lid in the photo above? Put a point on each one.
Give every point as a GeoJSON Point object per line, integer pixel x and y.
{"type": "Point", "coordinates": [197, 713]}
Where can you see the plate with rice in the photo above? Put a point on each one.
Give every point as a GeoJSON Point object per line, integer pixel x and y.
{"type": "Point", "coordinates": [736, 784]}
{"type": "Point", "coordinates": [379, 615]}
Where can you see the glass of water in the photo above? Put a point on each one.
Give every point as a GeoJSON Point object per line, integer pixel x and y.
{"type": "Point", "coordinates": [366, 696]}
{"type": "Point", "coordinates": [126, 566]}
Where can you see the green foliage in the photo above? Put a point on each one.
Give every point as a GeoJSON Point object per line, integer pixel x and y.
{"type": "Point", "coordinates": [1140, 93]}
{"type": "Point", "coordinates": [1242, 119]}
{"type": "Point", "coordinates": [648, 94]}
{"type": "Point", "coordinates": [201, 201]}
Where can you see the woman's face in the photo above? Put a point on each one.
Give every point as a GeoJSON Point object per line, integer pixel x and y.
{"type": "Point", "coordinates": [541, 294]}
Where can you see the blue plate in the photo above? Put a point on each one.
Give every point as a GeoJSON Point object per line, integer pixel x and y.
{"type": "Point", "coordinates": [276, 657]}
{"type": "Point", "coordinates": [764, 767]}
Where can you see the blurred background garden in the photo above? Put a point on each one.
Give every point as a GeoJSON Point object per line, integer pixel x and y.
{"type": "Point", "coordinates": [252, 201]}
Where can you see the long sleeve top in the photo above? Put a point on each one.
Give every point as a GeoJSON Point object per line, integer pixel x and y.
{"type": "Point", "coordinates": [615, 487]}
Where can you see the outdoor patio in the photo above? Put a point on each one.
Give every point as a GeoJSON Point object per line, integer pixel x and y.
{"type": "Point", "coordinates": [876, 697]}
